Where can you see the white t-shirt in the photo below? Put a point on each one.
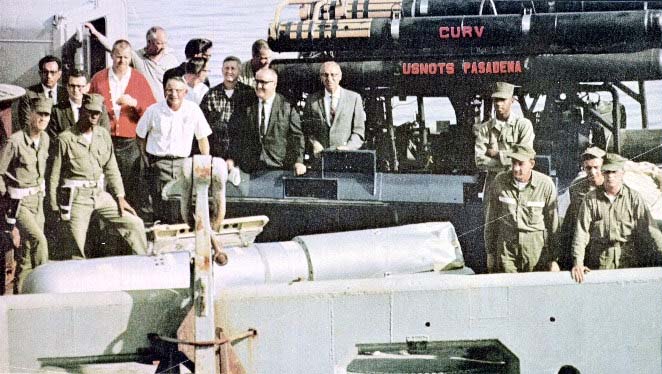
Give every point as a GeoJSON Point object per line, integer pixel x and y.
{"type": "Point", "coordinates": [170, 133]}
{"type": "Point", "coordinates": [195, 94]}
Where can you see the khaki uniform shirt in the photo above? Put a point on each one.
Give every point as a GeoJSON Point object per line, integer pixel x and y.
{"type": "Point", "coordinates": [21, 164]}
{"type": "Point", "coordinates": [78, 159]}
{"type": "Point", "coordinates": [612, 231]}
{"type": "Point", "coordinates": [510, 210]}
{"type": "Point", "coordinates": [504, 135]}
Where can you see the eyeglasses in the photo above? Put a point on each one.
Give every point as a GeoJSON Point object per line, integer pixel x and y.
{"type": "Point", "coordinates": [260, 81]}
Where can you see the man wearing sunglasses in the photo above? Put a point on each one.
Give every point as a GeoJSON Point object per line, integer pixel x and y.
{"type": "Point", "coordinates": [50, 72]}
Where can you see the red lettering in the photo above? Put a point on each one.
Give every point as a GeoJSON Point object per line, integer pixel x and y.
{"type": "Point", "coordinates": [406, 69]}
{"type": "Point", "coordinates": [443, 32]}
{"type": "Point", "coordinates": [467, 32]}
{"type": "Point", "coordinates": [432, 68]}
{"type": "Point", "coordinates": [465, 67]}
{"type": "Point", "coordinates": [502, 66]}
{"type": "Point", "coordinates": [424, 68]}
{"type": "Point", "coordinates": [479, 30]}
{"type": "Point", "coordinates": [414, 69]}
{"type": "Point", "coordinates": [455, 32]}
{"type": "Point", "coordinates": [518, 67]}
{"type": "Point", "coordinates": [450, 68]}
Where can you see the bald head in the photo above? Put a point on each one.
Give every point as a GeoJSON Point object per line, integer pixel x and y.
{"type": "Point", "coordinates": [330, 75]}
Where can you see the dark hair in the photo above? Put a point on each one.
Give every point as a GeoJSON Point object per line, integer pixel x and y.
{"type": "Point", "coordinates": [233, 58]}
{"type": "Point", "coordinates": [78, 73]}
{"type": "Point", "coordinates": [195, 65]}
{"type": "Point", "coordinates": [259, 45]}
{"type": "Point", "coordinates": [196, 46]}
{"type": "Point", "coordinates": [120, 43]}
{"type": "Point", "coordinates": [49, 58]}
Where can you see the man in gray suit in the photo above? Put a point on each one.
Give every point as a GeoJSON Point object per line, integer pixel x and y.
{"type": "Point", "coordinates": [333, 118]}
{"type": "Point", "coordinates": [266, 134]}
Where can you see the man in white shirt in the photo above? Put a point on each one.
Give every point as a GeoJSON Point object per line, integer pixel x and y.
{"type": "Point", "coordinates": [165, 134]}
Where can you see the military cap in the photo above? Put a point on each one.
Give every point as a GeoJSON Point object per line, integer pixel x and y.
{"type": "Point", "coordinates": [41, 105]}
{"type": "Point", "coordinates": [613, 162]}
{"type": "Point", "coordinates": [595, 152]}
{"type": "Point", "coordinates": [93, 102]}
{"type": "Point", "coordinates": [522, 153]}
{"type": "Point", "coordinates": [503, 91]}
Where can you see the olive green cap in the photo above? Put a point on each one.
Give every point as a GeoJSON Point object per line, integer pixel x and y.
{"type": "Point", "coordinates": [613, 162]}
{"type": "Point", "coordinates": [93, 102]}
{"type": "Point", "coordinates": [522, 153]}
{"type": "Point", "coordinates": [596, 152]}
{"type": "Point", "coordinates": [41, 105]}
{"type": "Point", "coordinates": [503, 91]}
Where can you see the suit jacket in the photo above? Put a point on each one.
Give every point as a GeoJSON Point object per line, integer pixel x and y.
{"type": "Point", "coordinates": [348, 127]}
{"type": "Point", "coordinates": [138, 88]}
{"type": "Point", "coordinates": [62, 118]}
{"type": "Point", "coordinates": [32, 91]}
{"type": "Point", "coordinates": [282, 145]}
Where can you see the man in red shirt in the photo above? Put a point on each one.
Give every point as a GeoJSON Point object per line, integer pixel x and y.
{"type": "Point", "coordinates": [127, 95]}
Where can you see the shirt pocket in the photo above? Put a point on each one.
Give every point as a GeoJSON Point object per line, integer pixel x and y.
{"type": "Point", "coordinates": [533, 212]}
{"type": "Point", "coordinates": [28, 158]}
{"type": "Point", "coordinates": [599, 230]}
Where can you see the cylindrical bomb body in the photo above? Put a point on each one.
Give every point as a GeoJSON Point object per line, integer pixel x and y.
{"type": "Point", "coordinates": [597, 32]}
{"type": "Point", "coordinates": [346, 255]}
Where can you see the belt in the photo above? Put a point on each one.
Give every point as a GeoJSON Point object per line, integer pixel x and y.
{"type": "Point", "coordinates": [20, 193]}
{"type": "Point", "coordinates": [165, 157]}
{"type": "Point", "coordinates": [84, 183]}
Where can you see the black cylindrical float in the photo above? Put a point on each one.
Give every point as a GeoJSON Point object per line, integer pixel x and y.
{"type": "Point", "coordinates": [428, 8]}
{"type": "Point", "coordinates": [550, 33]}
{"type": "Point", "coordinates": [439, 76]}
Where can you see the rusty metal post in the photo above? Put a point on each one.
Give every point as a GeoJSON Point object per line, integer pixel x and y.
{"type": "Point", "coordinates": [203, 277]}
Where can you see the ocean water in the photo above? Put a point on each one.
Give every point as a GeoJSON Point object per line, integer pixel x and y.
{"type": "Point", "coordinates": [234, 25]}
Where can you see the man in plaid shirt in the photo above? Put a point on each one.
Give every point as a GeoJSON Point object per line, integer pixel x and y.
{"type": "Point", "coordinates": [221, 101]}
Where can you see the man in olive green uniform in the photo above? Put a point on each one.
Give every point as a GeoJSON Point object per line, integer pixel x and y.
{"type": "Point", "coordinates": [521, 217]}
{"type": "Point", "coordinates": [593, 178]}
{"type": "Point", "coordinates": [614, 227]}
{"type": "Point", "coordinates": [85, 164]}
{"type": "Point", "coordinates": [22, 167]}
{"type": "Point", "coordinates": [496, 137]}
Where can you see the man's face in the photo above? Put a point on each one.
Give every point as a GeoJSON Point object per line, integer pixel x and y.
{"type": "Point", "coordinates": [593, 173]}
{"type": "Point", "coordinates": [39, 121]}
{"type": "Point", "coordinates": [76, 88]}
{"type": "Point", "coordinates": [522, 170]}
{"type": "Point", "coordinates": [613, 179]}
{"type": "Point", "coordinates": [175, 93]}
{"type": "Point", "coordinates": [121, 59]}
{"type": "Point", "coordinates": [50, 74]}
{"type": "Point", "coordinates": [330, 74]}
{"type": "Point", "coordinates": [265, 84]}
{"type": "Point", "coordinates": [502, 107]}
{"type": "Point", "coordinates": [157, 44]}
{"type": "Point", "coordinates": [262, 59]}
{"type": "Point", "coordinates": [91, 116]}
{"type": "Point", "coordinates": [230, 71]}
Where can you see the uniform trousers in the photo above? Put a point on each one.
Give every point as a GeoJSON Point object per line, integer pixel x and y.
{"type": "Point", "coordinates": [30, 223]}
{"type": "Point", "coordinates": [93, 200]}
{"type": "Point", "coordinates": [162, 171]}
{"type": "Point", "coordinates": [522, 251]}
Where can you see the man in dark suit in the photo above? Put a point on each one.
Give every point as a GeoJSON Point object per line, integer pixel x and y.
{"type": "Point", "coordinates": [65, 114]}
{"type": "Point", "coordinates": [50, 72]}
{"type": "Point", "coordinates": [267, 133]}
{"type": "Point", "coordinates": [333, 118]}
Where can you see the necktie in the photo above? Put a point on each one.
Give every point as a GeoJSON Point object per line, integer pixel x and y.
{"type": "Point", "coordinates": [50, 94]}
{"type": "Point", "coordinates": [263, 122]}
{"type": "Point", "coordinates": [334, 105]}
